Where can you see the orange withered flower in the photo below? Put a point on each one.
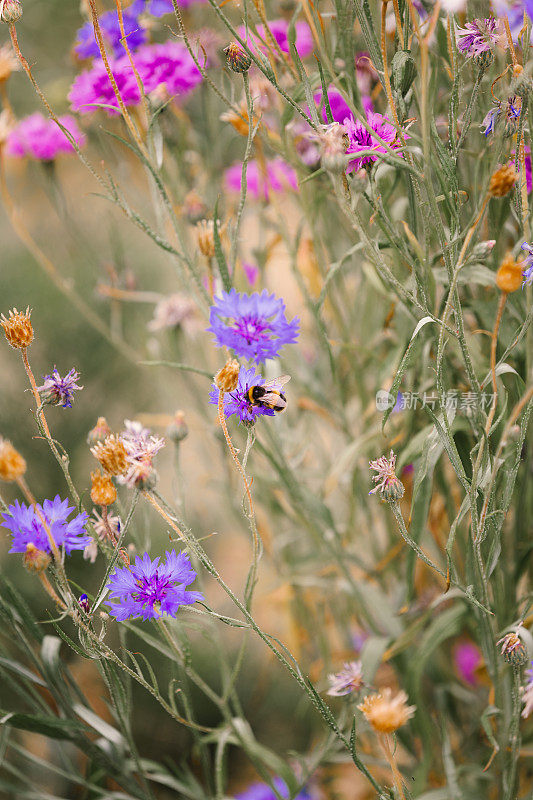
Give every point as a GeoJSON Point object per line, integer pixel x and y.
{"type": "Point", "coordinates": [103, 491]}
{"type": "Point", "coordinates": [111, 454]}
{"type": "Point", "coordinates": [18, 328]}
{"type": "Point", "coordinates": [227, 378]}
{"type": "Point", "coordinates": [12, 464]}
{"type": "Point", "coordinates": [385, 712]}
{"type": "Point", "coordinates": [502, 181]}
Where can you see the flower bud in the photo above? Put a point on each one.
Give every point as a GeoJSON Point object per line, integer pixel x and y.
{"type": "Point", "coordinates": [513, 649]}
{"type": "Point", "coordinates": [84, 603]}
{"type": "Point", "coordinates": [12, 465]}
{"type": "Point", "coordinates": [483, 60]}
{"type": "Point", "coordinates": [236, 58]}
{"type": "Point", "coordinates": [10, 11]}
{"type": "Point", "coordinates": [18, 328]}
{"type": "Point", "coordinates": [482, 250]}
{"type": "Point", "coordinates": [177, 431]}
{"type": "Point", "coordinates": [509, 276]}
{"type": "Point", "coordinates": [103, 491]}
{"type": "Point", "coordinates": [502, 181]}
{"type": "Point", "coordinates": [35, 560]}
{"type": "Point", "coordinates": [394, 490]}
{"type": "Point", "coordinates": [227, 378]}
{"type": "Point", "coordinates": [403, 71]}
{"type": "Point", "coordinates": [99, 432]}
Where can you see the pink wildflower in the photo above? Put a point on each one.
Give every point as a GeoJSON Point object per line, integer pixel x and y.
{"type": "Point", "coordinates": [40, 138]}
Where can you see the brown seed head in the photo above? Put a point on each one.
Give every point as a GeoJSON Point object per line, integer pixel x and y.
{"type": "Point", "coordinates": [205, 237]}
{"type": "Point", "coordinates": [103, 492]}
{"type": "Point", "coordinates": [12, 465]}
{"type": "Point", "coordinates": [99, 432]}
{"type": "Point", "coordinates": [227, 378]}
{"type": "Point", "coordinates": [386, 713]}
{"type": "Point", "coordinates": [35, 560]}
{"type": "Point", "coordinates": [18, 328]}
{"type": "Point", "coordinates": [237, 59]}
{"type": "Point", "coordinates": [502, 181]}
{"type": "Point", "coordinates": [111, 454]}
{"type": "Point", "coordinates": [509, 276]}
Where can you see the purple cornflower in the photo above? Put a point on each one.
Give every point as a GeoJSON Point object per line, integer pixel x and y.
{"type": "Point", "coordinates": [361, 139]}
{"type": "Point", "coordinates": [527, 269]}
{"type": "Point", "coordinates": [167, 65]}
{"type": "Point", "coordinates": [527, 693]}
{"type": "Point", "coordinates": [58, 391]}
{"type": "Point", "coordinates": [348, 680]}
{"type": "Point", "coordinates": [86, 46]}
{"type": "Point", "coordinates": [276, 176]}
{"type": "Point", "coordinates": [527, 159]}
{"type": "Point", "coordinates": [514, 10]}
{"type": "Point", "coordinates": [27, 527]}
{"type": "Point", "coordinates": [262, 791]}
{"type": "Point", "coordinates": [479, 36]}
{"type": "Point", "coordinates": [148, 589]}
{"type": "Point", "coordinates": [254, 326]}
{"type": "Point", "coordinates": [490, 119]}
{"type": "Point", "coordinates": [40, 138]}
{"type": "Point", "coordinates": [279, 28]}
{"type": "Point", "coordinates": [237, 401]}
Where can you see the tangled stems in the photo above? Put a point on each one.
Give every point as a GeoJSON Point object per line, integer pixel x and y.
{"type": "Point", "coordinates": [290, 665]}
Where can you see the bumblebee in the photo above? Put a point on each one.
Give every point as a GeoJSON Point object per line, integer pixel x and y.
{"type": "Point", "coordinates": [269, 395]}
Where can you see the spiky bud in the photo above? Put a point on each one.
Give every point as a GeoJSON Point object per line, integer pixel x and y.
{"type": "Point", "coordinates": [12, 465]}
{"type": "Point", "coordinates": [227, 378]}
{"type": "Point", "coordinates": [394, 490]}
{"type": "Point", "coordinates": [99, 432]}
{"type": "Point", "coordinates": [18, 328]}
{"type": "Point", "coordinates": [111, 454]}
{"type": "Point", "coordinates": [84, 603]}
{"type": "Point", "coordinates": [513, 649]}
{"type": "Point", "coordinates": [35, 560]}
{"type": "Point", "coordinates": [103, 491]}
{"type": "Point", "coordinates": [236, 58]}
{"type": "Point", "coordinates": [502, 181]}
{"type": "Point", "coordinates": [10, 11]}
{"type": "Point", "coordinates": [509, 277]}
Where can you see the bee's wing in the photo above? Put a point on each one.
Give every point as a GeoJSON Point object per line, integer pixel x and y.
{"type": "Point", "coordinates": [277, 383]}
{"type": "Point", "coordinates": [275, 399]}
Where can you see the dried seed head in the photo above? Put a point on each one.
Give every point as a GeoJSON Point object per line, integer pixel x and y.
{"type": "Point", "coordinates": [509, 277]}
{"type": "Point", "coordinates": [236, 58]}
{"type": "Point", "coordinates": [18, 328]}
{"type": "Point", "coordinates": [227, 378]}
{"type": "Point", "coordinates": [99, 432]}
{"type": "Point", "coordinates": [178, 430]}
{"type": "Point", "coordinates": [386, 713]}
{"type": "Point", "coordinates": [35, 560]}
{"type": "Point", "coordinates": [513, 649]}
{"type": "Point", "coordinates": [205, 237]}
{"type": "Point", "coordinates": [111, 454]}
{"type": "Point", "coordinates": [12, 465]}
{"type": "Point", "coordinates": [10, 10]}
{"type": "Point", "coordinates": [103, 492]}
{"type": "Point", "coordinates": [502, 181]}
{"type": "Point", "coordinates": [239, 119]}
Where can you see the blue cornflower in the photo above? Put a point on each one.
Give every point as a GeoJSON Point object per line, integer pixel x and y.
{"type": "Point", "coordinates": [490, 120]}
{"type": "Point", "coordinates": [148, 589]}
{"type": "Point", "coordinates": [527, 269]}
{"type": "Point", "coordinates": [262, 791]}
{"type": "Point", "coordinates": [237, 402]}
{"type": "Point", "coordinates": [86, 46]}
{"type": "Point", "coordinates": [58, 391]}
{"type": "Point", "coordinates": [27, 528]}
{"type": "Point", "coordinates": [254, 326]}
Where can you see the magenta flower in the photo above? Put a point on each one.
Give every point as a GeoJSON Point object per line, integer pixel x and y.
{"type": "Point", "coordinates": [467, 658]}
{"type": "Point", "coordinates": [361, 139]}
{"type": "Point", "coordinates": [40, 138]}
{"type": "Point", "coordinates": [279, 28]}
{"type": "Point", "coordinates": [277, 177]}
{"type": "Point", "coordinates": [340, 109]}
{"type": "Point", "coordinates": [168, 65]}
{"type": "Point", "coordinates": [479, 36]}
